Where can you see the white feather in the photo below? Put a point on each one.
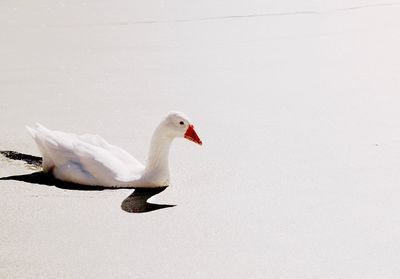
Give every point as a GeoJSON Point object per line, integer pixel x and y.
{"type": "Point", "coordinates": [91, 160]}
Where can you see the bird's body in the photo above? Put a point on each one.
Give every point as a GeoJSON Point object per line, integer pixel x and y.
{"type": "Point", "coordinates": [91, 160]}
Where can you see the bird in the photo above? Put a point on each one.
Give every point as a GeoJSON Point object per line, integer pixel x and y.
{"type": "Point", "coordinates": [90, 160]}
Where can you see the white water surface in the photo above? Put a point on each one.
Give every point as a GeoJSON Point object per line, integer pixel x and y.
{"type": "Point", "coordinates": [297, 103]}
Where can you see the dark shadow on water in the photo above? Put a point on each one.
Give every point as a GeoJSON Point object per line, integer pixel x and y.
{"type": "Point", "coordinates": [30, 160]}
{"type": "Point", "coordinates": [47, 179]}
{"type": "Point", "coordinates": [135, 203]}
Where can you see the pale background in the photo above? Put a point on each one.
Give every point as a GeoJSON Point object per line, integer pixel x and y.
{"type": "Point", "coordinates": [297, 103]}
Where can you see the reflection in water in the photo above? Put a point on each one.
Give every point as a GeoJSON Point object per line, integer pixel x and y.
{"type": "Point", "coordinates": [135, 203]}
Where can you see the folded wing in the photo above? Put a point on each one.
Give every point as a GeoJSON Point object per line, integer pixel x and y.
{"type": "Point", "coordinates": [86, 159]}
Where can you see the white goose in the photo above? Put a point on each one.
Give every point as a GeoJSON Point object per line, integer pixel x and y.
{"type": "Point", "coordinates": [90, 160]}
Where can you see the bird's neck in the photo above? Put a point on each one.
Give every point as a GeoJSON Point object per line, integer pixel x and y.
{"type": "Point", "coordinates": [157, 168]}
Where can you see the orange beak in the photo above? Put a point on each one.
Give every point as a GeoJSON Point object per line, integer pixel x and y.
{"type": "Point", "coordinates": [192, 135]}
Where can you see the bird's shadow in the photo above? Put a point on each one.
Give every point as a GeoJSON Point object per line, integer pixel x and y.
{"type": "Point", "coordinates": [135, 203]}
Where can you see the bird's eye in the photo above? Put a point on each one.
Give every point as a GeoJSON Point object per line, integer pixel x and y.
{"type": "Point", "coordinates": [181, 122]}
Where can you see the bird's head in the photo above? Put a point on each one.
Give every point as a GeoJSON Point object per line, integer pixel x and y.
{"type": "Point", "coordinates": [177, 124]}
